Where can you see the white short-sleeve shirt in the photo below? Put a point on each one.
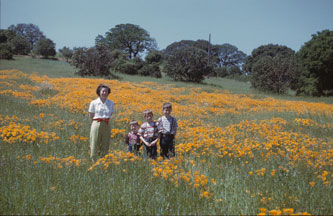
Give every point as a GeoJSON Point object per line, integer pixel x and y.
{"type": "Point", "coordinates": [101, 110]}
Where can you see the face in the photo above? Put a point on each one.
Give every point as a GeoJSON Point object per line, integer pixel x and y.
{"type": "Point", "coordinates": [104, 93]}
{"type": "Point", "coordinates": [167, 111]}
{"type": "Point", "coordinates": [134, 128]}
{"type": "Point", "coordinates": [149, 117]}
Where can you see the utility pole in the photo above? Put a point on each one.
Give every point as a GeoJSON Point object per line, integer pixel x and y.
{"type": "Point", "coordinates": [209, 51]}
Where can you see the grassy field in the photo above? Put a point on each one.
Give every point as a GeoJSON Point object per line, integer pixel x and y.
{"type": "Point", "coordinates": [238, 151]}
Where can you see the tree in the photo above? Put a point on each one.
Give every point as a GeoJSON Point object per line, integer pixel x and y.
{"type": "Point", "coordinates": [29, 31]}
{"type": "Point", "coordinates": [272, 67]}
{"type": "Point", "coordinates": [153, 56]}
{"type": "Point", "coordinates": [66, 52]}
{"type": "Point", "coordinates": [20, 45]}
{"type": "Point", "coordinates": [129, 38]}
{"type": "Point", "coordinates": [95, 61]}
{"type": "Point", "coordinates": [46, 48]}
{"type": "Point", "coordinates": [265, 50]}
{"type": "Point", "coordinates": [201, 44]}
{"type": "Point", "coordinates": [273, 73]}
{"type": "Point", "coordinates": [187, 64]}
{"type": "Point", "coordinates": [229, 55]}
{"type": "Point", "coordinates": [6, 51]}
{"type": "Point", "coordinates": [6, 35]}
{"type": "Point", "coordinates": [317, 61]}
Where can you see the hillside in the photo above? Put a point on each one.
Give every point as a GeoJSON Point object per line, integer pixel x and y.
{"type": "Point", "coordinates": [237, 151]}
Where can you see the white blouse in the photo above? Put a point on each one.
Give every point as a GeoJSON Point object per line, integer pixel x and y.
{"type": "Point", "coordinates": [101, 110]}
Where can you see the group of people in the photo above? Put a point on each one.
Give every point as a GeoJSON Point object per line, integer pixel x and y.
{"type": "Point", "coordinates": [147, 135]}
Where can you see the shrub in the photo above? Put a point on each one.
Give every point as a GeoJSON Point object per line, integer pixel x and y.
{"type": "Point", "coordinates": [46, 48]}
{"type": "Point", "coordinates": [187, 64]}
{"type": "Point", "coordinates": [5, 51]}
{"type": "Point", "coordinates": [152, 69]}
{"type": "Point", "coordinates": [221, 72]}
{"type": "Point", "coordinates": [95, 61]}
{"type": "Point", "coordinates": [317, 60]}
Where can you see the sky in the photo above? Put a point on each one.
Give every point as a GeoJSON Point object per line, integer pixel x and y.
{"type": "Point", "coordinates": [246, 24]}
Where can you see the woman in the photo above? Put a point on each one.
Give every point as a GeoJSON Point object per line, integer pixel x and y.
{"type": "Point", "coordinates": [100, 111]}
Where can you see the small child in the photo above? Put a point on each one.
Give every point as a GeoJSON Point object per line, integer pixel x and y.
{"type": "Point", "coordinates": [149, 134]}
{"type": "Point", "coordinates": [133, 138]}
{"type": "Point", "coordinates": [167, 125]}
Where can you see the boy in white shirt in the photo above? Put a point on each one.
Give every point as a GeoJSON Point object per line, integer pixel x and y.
{"type": "Point", "coordinates": [167, 125]}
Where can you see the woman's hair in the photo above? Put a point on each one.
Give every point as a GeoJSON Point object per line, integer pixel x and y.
{"type": "Point", "coordinates": [99, 88]}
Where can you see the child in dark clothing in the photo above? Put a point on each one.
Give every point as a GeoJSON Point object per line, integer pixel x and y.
{"type": "Point", "coordinates": [133, 138]}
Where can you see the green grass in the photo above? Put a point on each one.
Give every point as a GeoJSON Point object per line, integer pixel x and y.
{"type": "Point", "coordinates": [129, 188]}
{"type": "Point", "coordinates": [51, 68]}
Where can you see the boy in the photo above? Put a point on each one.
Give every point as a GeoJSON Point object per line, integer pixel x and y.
{"type": "Point", "coordinates": [167, 125]}
{"type": "Point", "coordinates": [133, 138]}
{"type": "Point", "coordinates": [149, 134]}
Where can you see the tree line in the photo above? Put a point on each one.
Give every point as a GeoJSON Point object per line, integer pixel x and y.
{"type": "Point", "coordinates": [273, 68]}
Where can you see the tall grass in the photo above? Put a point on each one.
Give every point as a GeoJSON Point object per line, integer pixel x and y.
{"type": "Point", "coordinates": [243, 158]}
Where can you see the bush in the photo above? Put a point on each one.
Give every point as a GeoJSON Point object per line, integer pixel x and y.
{"type": "Point", "coordinates": [46, 48]}
{"type": "Point", "coordinates": [5, 51]}
{"type": "Point", "coordinates": [317, 61]}
{"type": "Point", "coordinates": [221, 72]}
{"type": "Point", "coordinates": [95, 61]}
{"type": "Point", "coordinates": [153, 56]}
{"type": "Point", "coordinates": [152, 69]}
{"type": "Point", "coordinates": [272, 68]}
{"type": "Point", "coordinates": [273, 74]}
{"type": "Point", "coordinates": [20, 45]}
{"type": "Point", "coordinates": [187, 64]}
{"type": "Point", "coordinates": [128, 66]}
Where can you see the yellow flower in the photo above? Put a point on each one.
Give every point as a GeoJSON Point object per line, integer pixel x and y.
{"type": "Point", "coordinates": [262, 210]}
{"type": "Point", "coordinates": [288, 210]}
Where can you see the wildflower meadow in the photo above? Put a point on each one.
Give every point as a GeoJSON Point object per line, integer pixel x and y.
{"type": "Point", "coordinates": [235, 153]}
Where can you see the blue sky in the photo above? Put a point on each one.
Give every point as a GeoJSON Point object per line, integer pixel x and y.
{"type": "Point", "coordinates": [246, 24]}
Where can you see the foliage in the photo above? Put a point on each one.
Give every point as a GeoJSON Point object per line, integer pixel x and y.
{"type": "Point", "coordinates": [131, 66]}
{"type": "Point", "coordinates": [152, 69]}
{"type": "Point", "coordinates": [130, 38]}
{"type": "Point", "coordinates": [220, 72]}
{"type": "Point", "coordinates": [6, 35]}
{"type": "Point", "coordinates": [5, 51]}
{"type": "Point", "coordinates": [20, 45]}
{"type": "Point", "coordinates": [95, 61]}
{"type": "Point", "coordinates": [66, 52]}
{"type": "Point", "coordinates": [29, 31]}
{"type": "Point", "coordinates": [317, 60]}
{"type": "Point", "coordinates": [272, 67]}
{"type": "Point", "coordinates": [187, 64]}
{"type": "Point", "coordinates": [153, 56]}
{"type": "Point", "coordinates": [46, 48]}
{"type": "Point", "coordinates": [228, 55]}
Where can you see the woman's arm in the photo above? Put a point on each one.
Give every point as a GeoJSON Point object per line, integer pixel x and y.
{"type": "Point", "coordinates": [91, 117]}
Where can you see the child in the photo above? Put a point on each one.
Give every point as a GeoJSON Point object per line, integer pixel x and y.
{"type": "Point", "coordinates": [133, 138]}
{"type": "Point", "coordinates": [167, 125]}
{"type": "Point", "coordinates": [149, 134]}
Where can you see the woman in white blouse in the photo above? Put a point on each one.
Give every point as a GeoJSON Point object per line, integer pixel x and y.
{"type": "Point", "coordinates": [100, 111]}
